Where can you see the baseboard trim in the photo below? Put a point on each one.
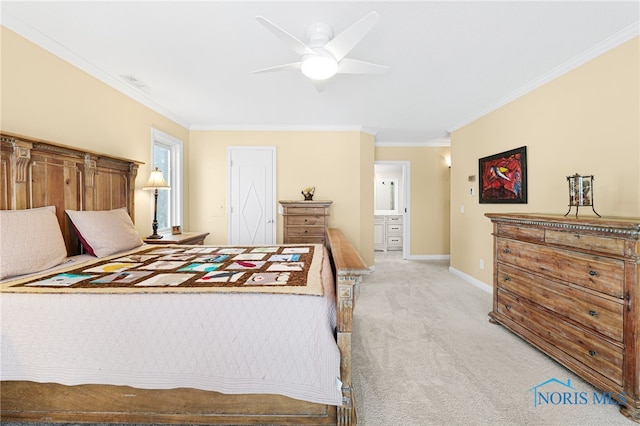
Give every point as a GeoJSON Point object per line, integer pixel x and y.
{"type": "Point", "coordinates": [468, 278]}
{"type": "Point", "coordinates": [429, 257]}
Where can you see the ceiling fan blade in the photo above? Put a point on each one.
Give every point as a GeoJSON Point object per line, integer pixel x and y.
{"type": "Point", "coordinates": [294, 44]}
{"type": "Point", "coordinates": [354, 66]}
{"type": "Point", "coordinates": [291, 66]}
{"type": "Point", "coordinates": [341, 44]}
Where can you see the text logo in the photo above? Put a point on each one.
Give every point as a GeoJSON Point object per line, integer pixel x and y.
{"type": "Point", "coordinates": [556, 392]}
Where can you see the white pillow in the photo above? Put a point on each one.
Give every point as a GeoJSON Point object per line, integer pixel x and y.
{"type": "Point", "coordinates": [31, 241]}
{"type": "Point", "coordinates": [105, 232]}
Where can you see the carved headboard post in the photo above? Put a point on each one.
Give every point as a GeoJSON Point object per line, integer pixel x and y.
{"type": "Point", "coordinates": [20, 159]}
{"type": "Point", "coordinates": [133, 173]}
{"type": "Point", "coordinates": [90, 170]}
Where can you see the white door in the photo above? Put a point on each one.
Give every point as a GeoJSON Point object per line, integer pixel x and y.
{"type": "Point", "coordinates": [251, 194]}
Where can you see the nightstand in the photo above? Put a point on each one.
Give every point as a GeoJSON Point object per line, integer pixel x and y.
{"type": "Point", "coordinates": [186, 238]}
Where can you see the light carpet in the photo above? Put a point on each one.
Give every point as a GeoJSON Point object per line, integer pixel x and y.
{"type": "Point", "coordinates": [424, 353]}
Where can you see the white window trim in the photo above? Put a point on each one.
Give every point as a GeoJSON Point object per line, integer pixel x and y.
{"type": "Point", "coordinates": [175, 145]}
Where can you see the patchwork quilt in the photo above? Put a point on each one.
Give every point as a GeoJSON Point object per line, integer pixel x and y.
{"type": "Point", "coordinates": [285, 269]}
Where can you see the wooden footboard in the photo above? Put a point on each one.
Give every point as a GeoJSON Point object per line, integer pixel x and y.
{"type": "Point", "coordinates": [50, 402]}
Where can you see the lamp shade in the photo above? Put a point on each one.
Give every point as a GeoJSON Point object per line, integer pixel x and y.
{"type": "Point", "coordinates": [156, 181]}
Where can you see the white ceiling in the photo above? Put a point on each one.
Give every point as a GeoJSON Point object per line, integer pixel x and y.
{"type": "Point", "coordinates": [451, 61]}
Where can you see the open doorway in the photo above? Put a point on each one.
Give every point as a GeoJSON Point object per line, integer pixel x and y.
{"type": "Point", "coordinates": [392, 206]}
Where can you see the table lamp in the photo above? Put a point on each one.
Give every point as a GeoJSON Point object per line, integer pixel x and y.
{"type": "Point", "coordinates": [156, 181]}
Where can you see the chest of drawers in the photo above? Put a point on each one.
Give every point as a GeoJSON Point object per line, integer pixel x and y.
{"type": "Point", "coordinates": [305, 221]}
{"type": "Point", "coordinates": [393, 230]}
{"type": "Point", "coordinates": [570, 287]}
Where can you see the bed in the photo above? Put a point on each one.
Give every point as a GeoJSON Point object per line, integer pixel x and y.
{"type": "Point", "coordinates": [198, 335]}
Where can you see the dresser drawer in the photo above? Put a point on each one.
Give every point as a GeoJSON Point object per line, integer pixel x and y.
{"type": "Point", "coordinates": [518, 231]}
{"type": "Point", "coordinates": [306, 240]}
{"type": "Point", "coordinates": [394, 218]}
{"type": "Point", "coordinates": [585, 242]}
{"type": "Point", "coordinates": [584, 346]}
{"type": "Point", "coordinates": [298, 231]}
{"type": "Point", "coordinates": [394, 229]}
{"type": "Point", "coordinates": [394, 241]}
{"type": "Point", "coordinates": [600, 314]}
{"type": "Point", "coordinates": [304, 220]}
{"type": "Point", "coordinates": [598, 273]}
{"type": "Point", "coordinates": [311, 210]}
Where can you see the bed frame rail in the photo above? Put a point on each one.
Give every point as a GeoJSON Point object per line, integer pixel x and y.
{"type": "Point", "coordinates": [349, 269]}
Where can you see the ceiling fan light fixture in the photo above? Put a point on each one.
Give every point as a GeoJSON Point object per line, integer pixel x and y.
{"type": "Point", "coordinates": [319, 67]}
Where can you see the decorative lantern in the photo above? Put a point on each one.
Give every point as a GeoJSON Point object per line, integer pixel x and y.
{"type": "Point", "coordinates": [580, 192]}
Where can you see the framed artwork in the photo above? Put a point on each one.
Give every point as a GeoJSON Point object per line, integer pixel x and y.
{"type": "Point", "coordinates": [503, 177]}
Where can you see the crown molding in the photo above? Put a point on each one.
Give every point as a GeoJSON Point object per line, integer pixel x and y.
{"type": "Point", "coordinates": [279, 128]}
{"type": "Point", "coordinates": [369, 131]}
{"type": "Point", "coordinates": [412, 144]}
{"type": "Point", "coordinates": [605, 45]}
{"type": "Point", "coordinates": [55, 48]}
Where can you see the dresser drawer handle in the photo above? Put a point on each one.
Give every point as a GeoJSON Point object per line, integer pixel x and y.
{"type": "Point", "coordinates": [593, 353]}
{"type": "Point", "coordinates": [305, 231]}
{"type": "Point", "coordinates": [593, 273]}
{"type": "Point", "coordinates": [507, 278]}
{"type": "Point", "coordinates": [506, 251]}
{"type": "Point", "coordinates": [507, 306]}
{"type": "Point", "coordinates": [578, 236]}
{"type": "Point", "coordinates": [593, 313]}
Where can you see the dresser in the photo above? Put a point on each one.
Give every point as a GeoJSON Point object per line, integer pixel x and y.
{"type": "Point", "coordinates": [305, 221]}
{"type": "Point", "coordinates": [570, 287]}
{"type": "Point", "coordinates": [388, 231]}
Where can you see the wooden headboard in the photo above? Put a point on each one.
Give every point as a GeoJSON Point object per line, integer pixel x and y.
{"type": "Point", "coordinates": [36, 173]}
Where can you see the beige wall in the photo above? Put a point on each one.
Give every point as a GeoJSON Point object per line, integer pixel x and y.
{"type": "Point", "coordinates": [587, 121]}
{"type": "Point", "coordinates": [429, 196]}
{"type": "Point", "coordinates": [366, 191]}
{"type": "Point", "coordinates": [46, 98]}
{"type": "Point", "coordinates": [338, 164]}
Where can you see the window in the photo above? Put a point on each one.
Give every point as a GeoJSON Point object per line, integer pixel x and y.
{"type": "Point", "coordinates": [167, 157]}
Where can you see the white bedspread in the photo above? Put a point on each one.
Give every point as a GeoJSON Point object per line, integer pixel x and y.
{"type": "Point", "coordinates": [230, 343]}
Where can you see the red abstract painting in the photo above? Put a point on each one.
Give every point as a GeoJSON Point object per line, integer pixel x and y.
{"type": "Point", "coordinates": [503, 177]}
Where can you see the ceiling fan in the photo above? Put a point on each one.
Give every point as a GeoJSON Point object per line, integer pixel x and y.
{"type": "Point", "coordinates": [324, 55]}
